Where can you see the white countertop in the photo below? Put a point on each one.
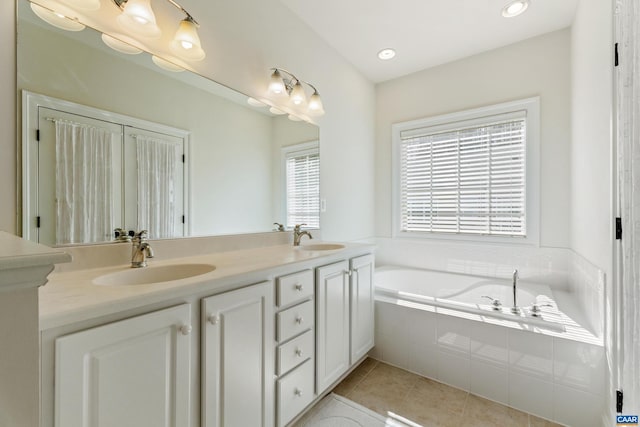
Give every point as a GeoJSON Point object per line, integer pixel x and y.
{"type": "Point", "coordinates": [15, 252]}
{"type": "Point", "coordinates": [71, 297]}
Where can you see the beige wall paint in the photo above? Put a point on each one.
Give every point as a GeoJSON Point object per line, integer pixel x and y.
{"type": "Point", "coordinates": [8, 160]}
{"type": "Point", "coordinates": [534, 67]}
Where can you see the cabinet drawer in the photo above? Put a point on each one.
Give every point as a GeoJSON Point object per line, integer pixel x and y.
{"type": "Point", "coordinates": [295, 392]}
{"type": "Point", "coordinates": [294, 287]}
{"type": "Point", "coordinates": [295, 320]}
{"type": "Point", "coordinates": [295, 352]}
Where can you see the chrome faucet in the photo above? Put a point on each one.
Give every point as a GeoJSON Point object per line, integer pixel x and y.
{"type": "Point", "coordinates": [140, 250]}
{"type": "Point", "coordinates": [297, 234]}
{"type": "Point", "coordinates": [515, 309]}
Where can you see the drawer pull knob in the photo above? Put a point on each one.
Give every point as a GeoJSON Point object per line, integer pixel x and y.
{"type": "Point", "coordinates": [299, 352]}
{"type": "Point", "coordinates": [185, 329]}
{"type": "Point", "coordinates": [299, 320]}
{"type": "Point", "coordinates": [297, 392]}
{"type": "Point", "coordinates": [299, 287]}
{"type": "Point", "coordinates": [213, 319]}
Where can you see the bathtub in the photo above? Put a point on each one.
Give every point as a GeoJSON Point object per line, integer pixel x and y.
{"type": "Point", "coordinates": [469, 294]}
{"type": "Point", "coordinates": [437, 324]}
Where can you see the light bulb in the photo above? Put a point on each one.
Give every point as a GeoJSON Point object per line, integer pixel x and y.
{"type": "Point", "coordinates": [57, 19]}
{"type": "Point", "coordinates": [276, 85]}
{"type": "Point", "coordinates": [186, 43]}
{"type": "Point", "coordinates": [298, 97]}
{"type": "Point", "coordinates": [137, 16]}
{"type": "Point", "coordinates": [315, 108]}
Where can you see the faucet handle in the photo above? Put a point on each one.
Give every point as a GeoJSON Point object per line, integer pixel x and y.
{"type": "Point", "coordinates": [297, 227]}
{"type": "Point", "coordinates": [143, 234]}
{"type": "Point", "coordinates": [495, 302]}
{"type": "Point", "coordinates": [280, 227]}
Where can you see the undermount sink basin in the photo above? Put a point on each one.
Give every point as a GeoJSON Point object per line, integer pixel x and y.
{"type": "Point", "coordinates": [322, 247]}
{"type": "Point", "coordinates": [148, 275]}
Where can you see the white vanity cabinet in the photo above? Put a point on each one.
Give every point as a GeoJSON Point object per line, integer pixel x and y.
{"type": "Point", "coordinates": [134, 372]}
{"type": "Point", "coordinates": [295, 321]}
{"type": "Point", "coordinates": [237, 358]}
{"type": "Point", "coordinates": [345, 322]}
{"type": "Point", "coordinates": [332, 328]}
{"type": "Point", "coordinates": [362, 306]}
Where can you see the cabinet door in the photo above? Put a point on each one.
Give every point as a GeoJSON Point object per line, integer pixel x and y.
{"type": "Point", "coordinates": [362, 300]}
{"type": "Point", "coordinates": [237, 358]}
{"type": "Point", "coordinates": [134, 372]}
{"type": "Point", "coordinates": [332, 327]}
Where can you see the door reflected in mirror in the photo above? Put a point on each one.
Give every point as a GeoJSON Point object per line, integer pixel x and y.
{"type": "Point", "coordinates": [235, 179]}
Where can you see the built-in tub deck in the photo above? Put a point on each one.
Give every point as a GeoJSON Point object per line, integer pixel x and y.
{"type": "Point", "coordinates": [463, 296]}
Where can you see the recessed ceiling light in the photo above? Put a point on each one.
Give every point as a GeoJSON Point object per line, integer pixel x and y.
{"type": "Point", "coordinates": [386, 54]}
{"type": "Point", "coordinates": [515, 8]}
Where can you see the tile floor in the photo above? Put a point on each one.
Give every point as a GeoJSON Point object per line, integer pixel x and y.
{"type": "Point", "coordinates": [384, 388]}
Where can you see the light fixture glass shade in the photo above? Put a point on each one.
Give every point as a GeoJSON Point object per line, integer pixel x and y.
{"type": "Point", "coordinates": [137, 16]}
{"type": "Point", "coordinates": [120, 45]}
{"type": "Point", "coordinates": [85, 4]}
{"type": "Point", "coordinates": [275, 111]}
{"type": "Point", "coordinates": [255, 103]}
{"type": "Point", "coordinates": [56, 19]}
{"type": "Point", "coordinates": [166, 65]}
{"type": "Point", "coordinates": [186, 42]}
{"type": "Point", "coordinates": [294, 118]}
{"type": "Point", "coordinates": [276, 85]}
{"type": "Point", "coordinates": [298, 97]}
{"type": "Point", "coordinates": [315, 108]}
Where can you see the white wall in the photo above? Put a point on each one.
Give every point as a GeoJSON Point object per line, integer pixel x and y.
{"type": "Point", "coordinates": [591, 88]}
{"type": "Point", "coordinates": [534, 67]}
{"type": "Point", "coordinates": [591, 159]}
{"type": "Point", "coordinates": [243, 39]}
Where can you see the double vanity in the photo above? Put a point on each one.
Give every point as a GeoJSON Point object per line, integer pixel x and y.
{"type": "Point", "coordinates": [248, 337]}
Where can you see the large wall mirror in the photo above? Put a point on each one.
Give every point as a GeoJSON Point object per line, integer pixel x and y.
{"type": "Point", "coordinates": [245, 168]}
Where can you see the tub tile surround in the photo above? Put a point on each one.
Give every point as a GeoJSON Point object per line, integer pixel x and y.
{"type": "Point", "coordinates": [541, 374]}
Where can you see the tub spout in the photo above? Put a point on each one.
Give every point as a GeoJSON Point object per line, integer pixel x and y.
{"type": "Point", "coordinates": [515, 309]}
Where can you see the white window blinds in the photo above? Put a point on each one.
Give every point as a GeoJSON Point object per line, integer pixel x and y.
{"type": "Point", "coordinates": [303, 187]}
{"type": "Point", "coordinates": [465, 178]}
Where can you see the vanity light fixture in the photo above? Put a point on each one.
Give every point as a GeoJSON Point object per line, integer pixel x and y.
{"type": "Point", "coordinates": [255, 103]}
{"type": "Point", "coordinates": [515, 8]}
{"type": "Point", "coordinates": [138, 17]}
{"type": "Point", "coordinates": [57, 19]}
{"type": "Point", "coordinates": [85, 4]}
{"type": "Point", "coordinates": [291, 86]}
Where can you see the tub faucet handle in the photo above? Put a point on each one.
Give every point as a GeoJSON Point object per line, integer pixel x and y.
{"type": "Point", "coordinates": [495, 302]}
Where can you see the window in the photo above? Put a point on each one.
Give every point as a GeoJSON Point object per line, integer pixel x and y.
{"type": "Point", "coordinates": [302, 182]}
{"type": "Point", "coordinates": [469, 175]}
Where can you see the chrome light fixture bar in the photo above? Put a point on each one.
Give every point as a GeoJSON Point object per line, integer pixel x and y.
{"type": "Point", "coordinates": [291, 86]}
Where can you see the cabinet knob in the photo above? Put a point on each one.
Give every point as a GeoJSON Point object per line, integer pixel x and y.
{"type": "Point", "coordinates": [213, 319]}
{"type": "Point", "coordinates": [297, 392]}
{"type": "Point", "coordinates": [299, 287]}
{"type": "Point", "coordinates": [185, 329]}
{"type": "Point", "coordinates": [299, 320]}
{"type": "Point", "coordinates": [298, 352]}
